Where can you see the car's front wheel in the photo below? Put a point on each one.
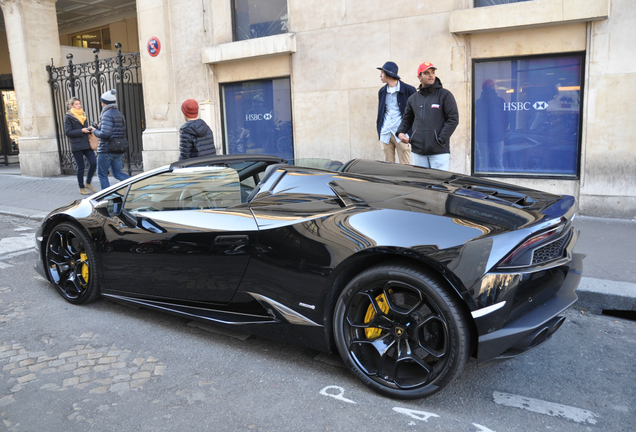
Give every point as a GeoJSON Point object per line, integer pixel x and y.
{"type": "Point", "coordinates": [71, 263]}
{"type": "Point", "coordinates": [401, 332]}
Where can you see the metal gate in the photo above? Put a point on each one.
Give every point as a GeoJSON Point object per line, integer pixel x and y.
{"type": "Point", "coordinates": [87, 81]}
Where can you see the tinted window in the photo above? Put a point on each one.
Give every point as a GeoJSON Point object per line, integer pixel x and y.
{"type": "Point", "coordinates": [257, 117]}
{"type": "Point", "coordinates": [480, 3]}
{"type": "Point", "coordinates": [186, 189]}
{"type": "Point", "coordinates": [527, 116]}
{"type": "Point", "coordinates": [259, 18]}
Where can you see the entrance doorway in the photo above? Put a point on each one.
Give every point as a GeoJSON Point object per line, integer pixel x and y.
{"type": "Point", "coordinates": [9, 127]}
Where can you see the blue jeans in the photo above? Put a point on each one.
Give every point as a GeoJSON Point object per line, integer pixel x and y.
{"type": "Point", "coordinates": [92, 166]}
{"type": "Point", "coordinates": [110, 161]}
{"type": "Point", "coordinates": [436, 161]}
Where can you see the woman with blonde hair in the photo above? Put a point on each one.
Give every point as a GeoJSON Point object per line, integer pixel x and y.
{"type": "Point", "coordinates": [76, 128]}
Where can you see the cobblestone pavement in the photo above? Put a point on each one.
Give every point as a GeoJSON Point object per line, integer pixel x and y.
{"type": "Point", "coordinates": [84, 366]}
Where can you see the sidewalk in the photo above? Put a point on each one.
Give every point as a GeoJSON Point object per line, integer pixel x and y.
{"type": "Point", "coordinates": [609, 269]}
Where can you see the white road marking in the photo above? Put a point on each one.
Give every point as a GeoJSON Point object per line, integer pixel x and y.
{"type": "Point", "coordinates": [482, 428]}
{"type": "Point", "coordinates": [542, 407]}
{"type": "Point", "coordinates": [417, 415]}
{"type": "Point", "coordinates": [15, 244]}
{"type": "Point", "coordinates": [338, 396]}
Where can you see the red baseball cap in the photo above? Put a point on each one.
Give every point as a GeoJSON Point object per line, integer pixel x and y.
{"type": "Point", "coordinates": [425, 66]}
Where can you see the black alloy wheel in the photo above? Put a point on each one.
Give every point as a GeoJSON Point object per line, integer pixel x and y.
{"type": "Point", "coordinates": [71, 263]}
{"type": "Point", "coordinates": [401, 332]}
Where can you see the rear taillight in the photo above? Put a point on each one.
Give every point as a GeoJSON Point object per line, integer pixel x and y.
{"type": "Point", "coordinates": [522, 255]}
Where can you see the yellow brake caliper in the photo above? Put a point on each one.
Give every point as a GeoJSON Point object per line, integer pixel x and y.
{"type": "Point", "coordinates": [374, 332]}
{"type": "Point", "coordinates": [84, 269]}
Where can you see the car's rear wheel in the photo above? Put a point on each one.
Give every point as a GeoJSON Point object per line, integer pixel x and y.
{"type": "Point", "coordinates": [401, 332]}
{"type": "Point", "coordinates": [71, 263]}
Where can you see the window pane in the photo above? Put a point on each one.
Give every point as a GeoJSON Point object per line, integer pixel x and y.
{"type": "Point", "coordinates": [479, 3]}
{"type": "Point", "coordinates": [259, 18]}
{"type": "Point", "coordinates": [92, 39]}
{"type": "Point", "coordinates": [106, 38]}
{"type": "Point", "coordinates": [186, 189]}
{"type": "Point", "coordinates": [527, 115]}
{"type": "Point", "coordinates": [257, 117]}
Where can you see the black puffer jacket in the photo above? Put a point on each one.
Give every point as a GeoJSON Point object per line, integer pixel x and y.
{"type": "Point", "coordinates": [195, 139]}
{"type": "Point", "coordinates": [73, 130]}
{"type": "Point", "coordinates": [433, 116]}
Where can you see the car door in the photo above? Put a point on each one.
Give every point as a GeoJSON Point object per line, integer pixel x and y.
{"type": "Point", "coordinates": [182, 235]}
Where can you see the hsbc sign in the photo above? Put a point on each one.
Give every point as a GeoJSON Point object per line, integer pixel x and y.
{"type": "Point", "coordinates": [258, 117]}
{"type": "Point", "coordinates": [525, 106]}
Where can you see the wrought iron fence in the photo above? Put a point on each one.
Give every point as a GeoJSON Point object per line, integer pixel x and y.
{"type": "Point", "coordinates": [87, 81]}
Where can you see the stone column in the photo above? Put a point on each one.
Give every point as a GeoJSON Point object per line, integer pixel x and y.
{"type": "Point", "coordinates": [175, 74]}
{"type": "Point", "coordinates": [161, 136]}
{"type": "Point", "coordinates": [34, 40]}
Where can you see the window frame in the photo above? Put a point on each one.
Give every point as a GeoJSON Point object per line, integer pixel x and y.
{"type": "Point", "coordinates": [476, 90]}
{"type": "Point", "coordinates": [224, 128]}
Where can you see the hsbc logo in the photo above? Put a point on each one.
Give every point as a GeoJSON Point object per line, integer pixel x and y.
{"type": "Point", "coordinates": [525, 106]}
{"type": "Point", "coordinates": [258, 117]}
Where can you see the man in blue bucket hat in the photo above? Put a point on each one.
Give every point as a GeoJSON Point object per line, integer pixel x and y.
{"type": "Point", "coordinates": [392, 99]}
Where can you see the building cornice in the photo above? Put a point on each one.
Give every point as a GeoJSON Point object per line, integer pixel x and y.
{"type": "Point", "coordinates": [529, 14]}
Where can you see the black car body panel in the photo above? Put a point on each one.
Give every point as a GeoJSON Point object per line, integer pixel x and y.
{"type": "Point", "coordinates": [274, 262]}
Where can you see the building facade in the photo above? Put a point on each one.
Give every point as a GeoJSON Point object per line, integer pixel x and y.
{"type": "Point", "coordinates": [543, 86]}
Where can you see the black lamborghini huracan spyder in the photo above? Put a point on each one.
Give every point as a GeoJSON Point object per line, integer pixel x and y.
{"type": "Point", "coordinates": [405, 271]}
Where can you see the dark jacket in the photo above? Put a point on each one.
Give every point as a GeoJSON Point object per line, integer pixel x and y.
{"type": "Point", "coordinates": [111, 125]}
{"type": "Point", "coordinates": [73, 130]}
{"type": "Point", "coordinates": [195, 139]}
{"type": "Point", "coordinates": [490, 118]}
{"type": "Point", "coordinates": [403, 95]}
{"type": "Point", "coordinates": [432, 115]}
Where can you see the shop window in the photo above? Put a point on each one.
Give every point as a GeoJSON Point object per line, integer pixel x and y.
{"type": "Point", "coordinates": [527, 116]}
{"type": "Point", "coordinates": [95, 38]}
{"type": "Point", "coordinates": [257, 117]}
{"type": "Point", "coordinates": [258, 18]}
{"type": "Point", "coordinates": [480, 3]}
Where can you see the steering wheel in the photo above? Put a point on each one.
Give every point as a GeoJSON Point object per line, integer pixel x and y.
{"type": "Point", "coordinates": [195, 198]}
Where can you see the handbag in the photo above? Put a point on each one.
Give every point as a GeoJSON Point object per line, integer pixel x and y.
{"type": "Point", "coordinates": [118, 145]}
{"type": "Point", "coordinates": [93, 141]}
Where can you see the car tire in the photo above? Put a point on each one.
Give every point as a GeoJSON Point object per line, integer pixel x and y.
{"type": "Point", "coordinates": [71, 263]}
{"type": "Point", "coordinates": [401, 332]}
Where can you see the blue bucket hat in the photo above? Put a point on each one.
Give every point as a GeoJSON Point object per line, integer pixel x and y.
{"type": "Point", "coordinates": [391, 69]}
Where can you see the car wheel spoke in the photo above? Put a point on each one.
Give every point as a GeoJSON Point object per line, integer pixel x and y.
{"type": "Point", "coordinates": [433, 336]}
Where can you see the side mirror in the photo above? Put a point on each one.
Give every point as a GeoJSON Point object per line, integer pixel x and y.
{"type": "Point", "coordinates": [114, 207]}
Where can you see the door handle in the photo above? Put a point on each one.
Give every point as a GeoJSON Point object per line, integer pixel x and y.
{"type": "Point", "coordinates": [231, 240]}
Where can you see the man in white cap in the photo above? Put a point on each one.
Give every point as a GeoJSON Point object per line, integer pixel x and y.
{"type": "Point", "coordinates": [391, 104]}
{"type": "Point", "coordinates": [432, 116]}
{"type": "Point", "coordinates": [112, 134]}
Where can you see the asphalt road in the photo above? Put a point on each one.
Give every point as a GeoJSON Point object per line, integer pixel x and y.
{"type": "Point", "coordinates": [109, 367]}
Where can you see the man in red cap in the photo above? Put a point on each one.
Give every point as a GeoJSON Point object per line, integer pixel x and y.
{"type": "Point", "coordinates": [432, 115]}
{"type": "Point", "coordinates": [195, 136]}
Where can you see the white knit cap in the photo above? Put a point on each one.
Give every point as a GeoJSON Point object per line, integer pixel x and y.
{"type": "Point", "coordinates": [109, 97]}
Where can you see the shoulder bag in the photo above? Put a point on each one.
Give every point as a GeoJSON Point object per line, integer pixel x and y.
{"type": "Point", "coordinates": [118, 145]}
{"type": "Point", "coordinates": [93, 141]}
